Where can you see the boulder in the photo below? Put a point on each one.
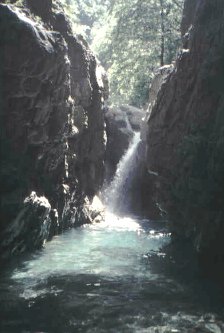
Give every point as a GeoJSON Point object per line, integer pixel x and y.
{"type": "Point", "coordinates": [134, 116]}
{"type": "Point", "coordinates": [121, 122]}
{"type": "Point", "coordinates": [30, 229]}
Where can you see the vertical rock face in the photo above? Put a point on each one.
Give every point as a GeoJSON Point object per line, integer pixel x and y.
{"type": "Point", "coordinates": [52, 124]}
{"type": "Point", "coordinates": [185, 134]}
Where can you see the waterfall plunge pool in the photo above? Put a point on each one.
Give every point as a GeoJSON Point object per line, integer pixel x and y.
{"type": "Point", "coordinates": [110, 277]}
{"type": "Point", "coordinates": [104, 277]}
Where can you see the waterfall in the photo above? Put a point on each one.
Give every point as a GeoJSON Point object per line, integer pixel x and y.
{"type": "Point", "coordinates": [116, 194]}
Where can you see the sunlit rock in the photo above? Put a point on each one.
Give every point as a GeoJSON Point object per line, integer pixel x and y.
{"type": "Point", "coordinates": [30, 229]}
{"type": "Point", "coordinates": [52, 109]}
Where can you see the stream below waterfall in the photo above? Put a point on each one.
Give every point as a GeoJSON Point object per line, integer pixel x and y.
{"type": "Point", "coordinates": [105, 277]}
{"type": "Point", "coordinates": [113, 276]}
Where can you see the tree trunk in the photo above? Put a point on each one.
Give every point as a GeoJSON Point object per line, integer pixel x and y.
{"type": "Point", "coordinates": [162, 26]}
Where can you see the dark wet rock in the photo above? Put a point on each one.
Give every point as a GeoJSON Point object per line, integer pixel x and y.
{"type": "Point", "coordinates": [138, 189]}
{"type": "Point", "coordinates": [143, 199]}
{"type": "Point", "coordinates": [160, 77]}
{"type": "Point", "coordinates": [121, 122]}
{"type": "Point", "coordinates": [41, 8]}
{"type": "Point", "coordinates": [185, 136]}
{"type": "Point", "coordinates": [30, 229]}
{"type": "Point", "coordinates": [134, 115]}
{"type": "Point", "coordinates": [52, 117]}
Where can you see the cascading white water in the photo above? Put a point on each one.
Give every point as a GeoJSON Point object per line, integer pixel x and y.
{"type": "Point", "coordinates": [104, 277]}
{"type": "Point", "coordinates": [116, 193]}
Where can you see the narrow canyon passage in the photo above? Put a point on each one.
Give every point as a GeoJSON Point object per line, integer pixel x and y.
{"type": "Point", "coordinates": [112, 276]}
{"type": "Point", "coordinates": [112, 173]}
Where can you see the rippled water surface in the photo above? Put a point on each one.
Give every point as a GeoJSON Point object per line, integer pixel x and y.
{"type": "Point", "coordinates": [107, 277]}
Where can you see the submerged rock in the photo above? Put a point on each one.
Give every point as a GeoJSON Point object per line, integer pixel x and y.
{"type": "Point", "coordinates": [185, 135]}
{"type": "Point", "coordinates": [52, 94]}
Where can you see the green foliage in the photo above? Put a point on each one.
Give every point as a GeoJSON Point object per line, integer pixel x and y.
{"type": "Point", "coordinates": [131, 39]}
{"type": "Point", "coordinates": [19, 3]}
{"type": "Point", "coordinates": [140, 36]}
{"type": "Point", "coordinates": [85, 14]}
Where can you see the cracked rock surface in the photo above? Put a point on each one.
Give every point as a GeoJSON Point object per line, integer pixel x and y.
{"type": "Point", "coordinates": [52, 123]}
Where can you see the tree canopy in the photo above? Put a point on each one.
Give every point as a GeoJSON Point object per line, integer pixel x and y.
{"type": "Point", "coordinates": [131, 39]}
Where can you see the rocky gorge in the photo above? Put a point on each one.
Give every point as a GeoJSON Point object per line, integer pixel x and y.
{"type": "Point", "coordinates": [185, 136]}
{"type": "Point", "coordinates": [52, 125]}
{"type": "Point", "coordinates": [55, 126]}
{"type": "Point", "coordinates": [111, 216]}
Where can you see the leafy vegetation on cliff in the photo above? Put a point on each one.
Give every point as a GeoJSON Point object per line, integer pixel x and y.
{"type": "Point", "coordinates": [131, 39]}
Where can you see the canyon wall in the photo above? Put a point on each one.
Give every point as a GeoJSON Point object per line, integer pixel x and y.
{"type": "Point", "coordinates": [185, 135]}
{"type": "Point", "coordinates": [52, 95]}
